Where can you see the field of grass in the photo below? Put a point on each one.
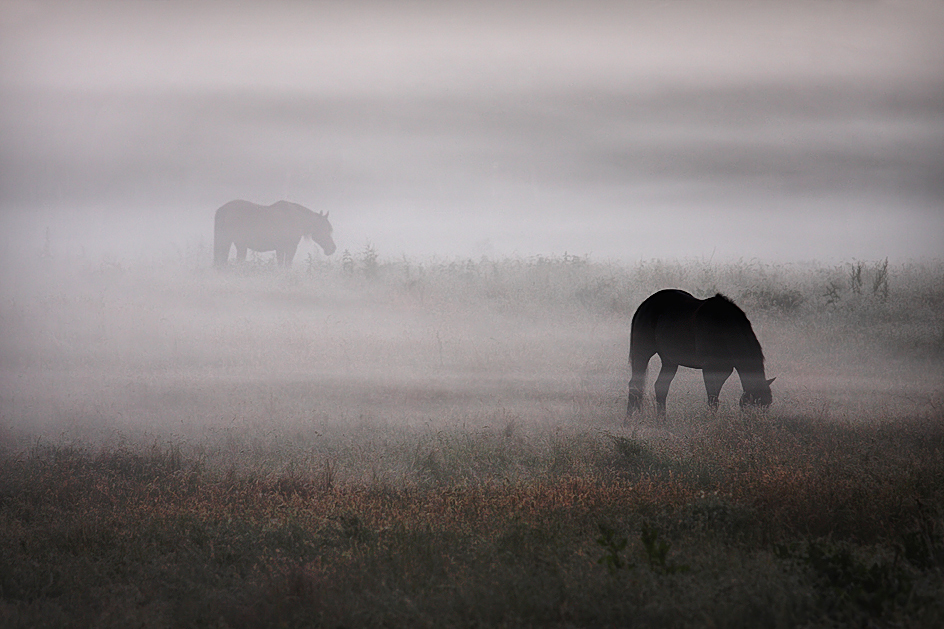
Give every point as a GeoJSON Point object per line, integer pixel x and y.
{"type": "Point", "coordinates": [375, 442]}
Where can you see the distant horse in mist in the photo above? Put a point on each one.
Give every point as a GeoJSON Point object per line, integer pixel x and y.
{"type": "Point", "coordinates": [278, 227]}
{"type": "Point", "coordinates": [713, 335]}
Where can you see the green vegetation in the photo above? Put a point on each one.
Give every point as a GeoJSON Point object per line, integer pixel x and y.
{"type": "Point", "coordinates": [369, 442]}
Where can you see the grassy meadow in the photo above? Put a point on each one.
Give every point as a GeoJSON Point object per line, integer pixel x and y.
{"type": "Point", "coordinates": [392, 442]}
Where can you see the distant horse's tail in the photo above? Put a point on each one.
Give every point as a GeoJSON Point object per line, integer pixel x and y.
{"type": "Point", "coordinates": [221, 239]}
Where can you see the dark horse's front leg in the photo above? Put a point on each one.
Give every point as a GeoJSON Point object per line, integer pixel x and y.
{"type": "Point", "coordinates": [714, 380]}
{"type": "Point", "coordinates": [662, 385]}
{"type": "Point", "coordinates": [635, 394]}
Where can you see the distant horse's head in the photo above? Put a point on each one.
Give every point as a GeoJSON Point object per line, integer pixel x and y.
{"type": "Point", "coordinates": [319, 230]}
{"type": "Point", "coordinates": [758, 395]}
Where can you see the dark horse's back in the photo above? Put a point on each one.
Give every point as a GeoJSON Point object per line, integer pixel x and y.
{"type": "Point", "coordinates": [693, 332]}
{"type": "Point", "coordinates": [712, 334]}
{"type": "Point", "coordinates": [666, 310]}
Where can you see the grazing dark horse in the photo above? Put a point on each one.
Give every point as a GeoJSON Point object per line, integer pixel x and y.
{"type": "Point", "coordinates": [712, 334]}
{"type": "Point", "coordinates": [278, 227]}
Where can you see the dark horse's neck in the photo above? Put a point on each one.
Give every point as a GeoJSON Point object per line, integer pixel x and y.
{"type": "Point", "coordinates": [749, 360]}
{"type": "Point", "coordinates": [752, 376]}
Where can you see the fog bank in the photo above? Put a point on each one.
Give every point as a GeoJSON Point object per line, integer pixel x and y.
{"type": "Point", "coordinates": [780, 131]}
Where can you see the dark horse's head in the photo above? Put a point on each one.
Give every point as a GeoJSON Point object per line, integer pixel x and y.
{"type": "Point", "coordinates": [319, 229]}
{"type": "Point", "coordinates": [757, 394]}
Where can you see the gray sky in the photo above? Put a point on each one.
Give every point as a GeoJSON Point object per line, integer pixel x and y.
{"type": "Point", "coordinates": [633, 130]}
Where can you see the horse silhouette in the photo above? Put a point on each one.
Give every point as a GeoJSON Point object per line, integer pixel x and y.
{"type": "Point", "coordinates": [278, 227]}
{"type": "Point", "coordinates": [713, 335]}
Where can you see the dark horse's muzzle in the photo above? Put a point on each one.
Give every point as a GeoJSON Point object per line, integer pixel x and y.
{"type": "Point", "coordinates": [756, 400]}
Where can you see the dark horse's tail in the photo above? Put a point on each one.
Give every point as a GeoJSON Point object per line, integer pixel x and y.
{"type": "Point", "coordinates": [641, 348]}
{"type": "Point", "coordinates": [221, 239]}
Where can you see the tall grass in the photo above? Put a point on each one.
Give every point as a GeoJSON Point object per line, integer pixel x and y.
{"type": "Point", "coordinates": [763, 520]}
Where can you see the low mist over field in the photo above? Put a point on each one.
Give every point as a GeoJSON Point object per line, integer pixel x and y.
{"type": "Point", "coordinates": [506, 184]}
{"type": "Point", "coordinates": [175, 348]}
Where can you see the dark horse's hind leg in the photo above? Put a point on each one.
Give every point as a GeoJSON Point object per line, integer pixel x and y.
{"type": "Point", "coordinates": [639, 363]}
{"type": "Point", "coordinates": [662, 385]}
{"type": "Point", "coordinates": [714, 380]}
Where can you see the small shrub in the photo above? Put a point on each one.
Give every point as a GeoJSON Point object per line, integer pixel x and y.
{"type": "Point", "coordinates": [347, 263]}
{"type": "Point", "coordinates": [613, 544]}
{"type": "Point", "coordinates": [923, 546]}
{"type": "Point", "coordinates": [833, 293]}
{"type": "Point", "coordinates": [880, 281]}
{"type": "Point", "coordinates": [855, 278]}
{"type": "Point", "coordinates": [780, 301]}
{"type": "Point", "coordinates": [657, 551]}
{"type": "Point", "coordinates": [846, 581]}
{"type": "Point", "coordinates": [632, 455]}
{"type": "Point", "coordinates": [369, 261]}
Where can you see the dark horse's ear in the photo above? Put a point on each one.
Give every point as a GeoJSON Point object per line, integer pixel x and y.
{"type": "Point", "coordinates": [771, 381]}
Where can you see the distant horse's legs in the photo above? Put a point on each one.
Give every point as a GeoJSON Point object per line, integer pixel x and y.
{"type": "Point", "coordinates": [639, 363]}
{"type": "Point", "coordinates": [289, 255]}
{"type": "Point", "coordinates": [662, 385]}
{"type": "Point", "coordinates": [221, 252]}
{"type": "Point", "coordinates": [714, 380]}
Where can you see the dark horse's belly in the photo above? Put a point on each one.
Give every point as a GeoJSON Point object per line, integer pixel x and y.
{"type": "Point", "coordinates": [675, 342]}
